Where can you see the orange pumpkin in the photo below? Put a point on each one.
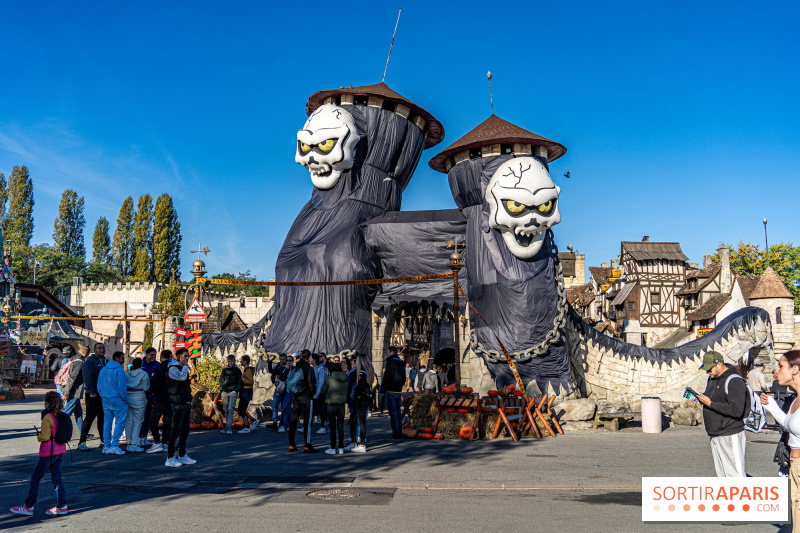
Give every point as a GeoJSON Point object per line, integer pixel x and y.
{"type": "Point", "coordinates": [466, 390]}
{"type": "Point", "coordinates": [465, 432]}
{"type": "Point", "coordinates": [512, 386]}
{"type": "Point", "coordinates": [428, 431]}
{"type": "Point", "coordinates": [410, 434]}
{"type": "Point", "coordinates": [2, 398]}
{"type": "Point", "coordinates": [207, 424]}
{"type": "Point", "coordinates": [462, 410]}
{"type": "Point", "coordinates": [505, 391]}
{"type": "Point", "coordinates": [194, 427]}
{"type": "Point", "coordinates": [449, 410]}
{"type": "Point", "coordinates": [493, 393]}
{"type": "Point", "coordinates": [518, 393]}
{"type": "Point", "coordinates": [449, 390]}
{"type": "Point", "coordinates": [438, 436]}
{"type": "Point", "coordinates": [425, 436]}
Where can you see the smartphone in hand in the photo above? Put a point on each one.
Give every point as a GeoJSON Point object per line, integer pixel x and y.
{"type": "Point", "coordinates": [36, 429]}
{"type": "Point", "coordinates": [690, 394]}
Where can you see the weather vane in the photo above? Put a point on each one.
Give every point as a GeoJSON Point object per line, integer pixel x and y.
{"type": "Point", "coordinates": [390, 47]}
{"type": "Point", "coordinates": [200, 250]}
{"type": "Point", "coordinates": [454, 243]}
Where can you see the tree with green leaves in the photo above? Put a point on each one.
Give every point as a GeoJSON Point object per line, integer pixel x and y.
{"type": "Point", "coordinates": [122, 245]}
{"type": "Point", "coordinates": [69, 224]}
{"type": "Point", "coordinates": [166, 240]}
{"type": "Point", "coordinates": [250, 290]}
{"type": "Point", "coordinates": [101, 243]}
{"type": "Point", "coordinates": [784, 258]}
{"type": "Point", "coordinates": [143, 240]}
{"type": "Point", "coordinates": [19, 219]}
{"type": "Point", "coordinates": [3, 199]}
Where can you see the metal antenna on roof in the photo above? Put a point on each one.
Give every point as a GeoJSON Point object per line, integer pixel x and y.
{"type": "Point", "coordinates": [491, 100]}
{"type": "Point", "coordinates": [766, 240]}
{"type": "Point", "coordinates": [390, 46]}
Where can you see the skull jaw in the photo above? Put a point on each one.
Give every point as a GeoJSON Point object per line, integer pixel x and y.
{"type": "Point", "coordinates": [324, 177]}
{"type": "Point", "coordinates": [522, 251]}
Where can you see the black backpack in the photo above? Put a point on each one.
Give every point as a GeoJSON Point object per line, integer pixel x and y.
{"type": "Point", "coordinates": [64, 430]}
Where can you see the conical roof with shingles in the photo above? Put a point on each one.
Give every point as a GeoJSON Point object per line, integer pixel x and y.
{"type": "Point", "coordinates": [435, 128]}
{"type": "Point", "coordinates": [495, 130]}
{"type": "Point", "coordinates": [770, 286]}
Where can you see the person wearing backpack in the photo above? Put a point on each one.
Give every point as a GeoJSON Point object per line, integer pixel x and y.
{"type": "Point", "coordinates": [58, 364]}
{"type": "Point", "coordinates": [281, 399]}
{"type": "Point", "coordinates": [55, 433]}
{"type": "Point", "coordinates": [302, 383]}
{"type": "Point", "coordinates": [334, 391]}
{"type": "Point", "coordinates": [788, 374]}
{"type": "Point", "coordinates": [72, 392]}
{"type": "Point", "coordinates": [726, 404]}
{"type": "Point", "coordinates": [162, 407]}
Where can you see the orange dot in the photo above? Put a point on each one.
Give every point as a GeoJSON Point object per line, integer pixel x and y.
{"type": "Point", "coordinates": [671, 507]}
{"type": "Point", "coordinates": [687, 507]}
{"type": "Point", "coordinates": [701, 507]}
{"type": "Point", "coordinates": [716, 507]}
{"type": "Point", "coordinates": [656, 507]}
{"type": "Point", "coordinates": [745, 507]}
{"type": "Point", "coordinates": [731, 507]}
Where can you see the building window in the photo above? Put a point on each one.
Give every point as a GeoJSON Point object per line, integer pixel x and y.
{"type": "Point", "coordinates": [630, 305]}
{"type": "Point", "coordinates": [361, 99]}
{"type": "Point", "coordinates": [475, 153]}
{"type": "Point", "coordinates": [506, 149]}
{"type": "Point", "coordinates": [655, 298]}
{"type": "Point", "coordinates": [778, 317]}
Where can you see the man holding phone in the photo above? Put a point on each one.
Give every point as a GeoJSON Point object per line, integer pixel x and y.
{"type": "Point", "coordinates": [725, 406]}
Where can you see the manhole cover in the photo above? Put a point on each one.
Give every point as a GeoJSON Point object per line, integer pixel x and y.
{"type": "Point", "coordinates": [109, 489]}
{"type": "Point", "coordinates": [333, 494]}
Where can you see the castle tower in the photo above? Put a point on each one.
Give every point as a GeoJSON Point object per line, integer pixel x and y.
{"type": "Point", "coordinates": [772, 295]}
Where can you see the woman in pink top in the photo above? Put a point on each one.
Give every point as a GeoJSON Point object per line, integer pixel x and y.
{"type": "Point", "coordinates": [50, 454]}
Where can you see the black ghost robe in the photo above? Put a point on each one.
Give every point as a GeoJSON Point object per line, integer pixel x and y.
{"type": "Point", "coordinates": [326, 242]}
{"type": "Point", "coordinates": [517, 297]}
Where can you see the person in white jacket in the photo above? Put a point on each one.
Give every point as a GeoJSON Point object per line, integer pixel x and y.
{"type": "Point", "coordinates": [138, 383]}
{"type": "Point", "coordinates": [788, 374]}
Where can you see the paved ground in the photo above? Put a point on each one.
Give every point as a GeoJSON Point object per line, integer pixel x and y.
{"type": "Point", "coordinates": [583, 481]}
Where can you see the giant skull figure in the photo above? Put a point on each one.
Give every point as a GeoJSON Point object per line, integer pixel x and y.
{"type": "Point", "coordinates": [511, 204]}
{"type": "Point", "coordinates": [361, 146]}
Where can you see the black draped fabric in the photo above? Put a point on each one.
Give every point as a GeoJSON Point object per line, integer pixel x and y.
{"type": "Point", "coordinates": [518, 298]}
{"type": "Point", "coordinates": [326, 242]}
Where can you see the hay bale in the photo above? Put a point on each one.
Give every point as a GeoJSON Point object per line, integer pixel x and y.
{"type": "Point", "coordinates": [14, 395]}
{"type": "Point", "coordinates": [423, 411]}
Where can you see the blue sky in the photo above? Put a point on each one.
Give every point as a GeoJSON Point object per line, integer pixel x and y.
{"type": "Point", "coordinates": [681, 120]}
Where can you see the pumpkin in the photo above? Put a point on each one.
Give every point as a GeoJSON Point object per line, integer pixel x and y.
{"type": "Point", "coordinates": [425, 436]}
{"type": "Point", "coordinates": [2, 398]}
{"type": "Point", "coordinates": [219, 425]}
{"type": "Point", "coordinates": [493, 393]}
{"type": "Point", "coordinates": [449, 390]}
{"type": "Point", "coordinates": [512, 386]}
{"type": "Point", "coordinates": [410, 434]}
{"type": "Point", "coordinates": [466, 390]}
{"type": "Point", "coordinates": [207, 424]}
{"type": "Point", "coordinates": [438, 436]}
{"type": "Point", "coordinates": [518, 393]}
{"type": "Point", "coordinates": [428, 431]}
{"type": "Point", "coordinates": [505, 391]}
{"type": "Point", "coordinates": [449, 410]}
{"type": "Point", "coordinates": [465, 432]}
{"type": "Point", "coordinates": [407, 426]}
{"type": "Point", "coordinates": [462, 410]}
{"type": "Point", "coordinates": [194, 427]}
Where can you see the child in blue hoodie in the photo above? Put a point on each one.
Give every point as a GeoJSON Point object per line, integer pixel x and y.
{"type": "Point", "coordinates": [114, 390]}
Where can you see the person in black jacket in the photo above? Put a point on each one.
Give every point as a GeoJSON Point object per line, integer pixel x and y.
{"type": "Point", "coordinates": [94, 403]}
{"type": "Point", "coordinates": [394, 378]}
{"type": "Point", "coordinates": [281, 401]}
{"type": "Point", "coordinates": [161, 404]}
{"type": "Point", "coordinates": [725, 406]}
{"type": "Point", "coordinates": [301, 403]}
{"type": "Point", "coordinates": [230, 382]}
{"type": "Point", "coordinates": [362, 399]}
{"type": "Point", "coordinates": [73, 389]}
{"type": "Point", "coordinates": [180, 396]}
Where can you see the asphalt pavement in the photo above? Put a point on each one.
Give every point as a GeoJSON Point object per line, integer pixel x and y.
{"type": "Point", "coordinates": [583, 481]}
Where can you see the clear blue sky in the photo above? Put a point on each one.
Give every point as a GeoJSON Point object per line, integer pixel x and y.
{"type": "Point", "coordinates": [682, 120]}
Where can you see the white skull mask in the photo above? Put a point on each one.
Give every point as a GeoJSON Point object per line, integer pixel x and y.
{"type": "Point", "coordinates": [523, 204]}
{"type": "Point", "coordinates": [326, 144]}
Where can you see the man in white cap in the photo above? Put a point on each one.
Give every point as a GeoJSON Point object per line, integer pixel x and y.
{"type": "Point", "coordinates": [725, 406]}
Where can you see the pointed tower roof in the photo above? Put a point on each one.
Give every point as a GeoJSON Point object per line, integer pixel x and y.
{"type": "Point", "coordinates": [383, 96]}
{"type": "Point", "coordinates": [770, 286]}
{"type": "Point", "coordinates": [495, 130]}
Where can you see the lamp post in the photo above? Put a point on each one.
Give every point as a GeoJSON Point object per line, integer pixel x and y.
{"type": "Point", "coordinates": [766, 241]}
{"type": "Point", "coordinates": [456, 263]}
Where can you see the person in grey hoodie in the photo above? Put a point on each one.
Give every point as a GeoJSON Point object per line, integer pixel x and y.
{"type": "Point", "coordinates": [113, 390]}
{"type": "Point", "coordinates": [138, 383]}
{"type": "Point", "coordinates": [335, 390]}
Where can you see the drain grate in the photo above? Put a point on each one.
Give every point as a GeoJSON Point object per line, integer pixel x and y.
{"type": "Point", "coordinates": [109, 489]}
{"type": "Point", "coordinates": [333, 495]}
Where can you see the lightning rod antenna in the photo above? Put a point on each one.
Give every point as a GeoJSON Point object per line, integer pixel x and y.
{"type": "Point", "coordinates": [491, 100]}
{"type": "Point", "coordinates": [390, 46]}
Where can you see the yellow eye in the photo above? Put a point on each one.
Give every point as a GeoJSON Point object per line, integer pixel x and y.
{"type": "Point", "coordinates": [545, 208]}
{"type": "Point", "coordinates": [305, 148]}
{"type": "Point", "coordinates": [327, 146]}
{"type": "Point", "coordinates": [514, 207]}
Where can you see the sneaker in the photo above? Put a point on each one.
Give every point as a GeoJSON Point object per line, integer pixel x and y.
{"type": "Point", "coordinates": [173, 462]}
{"type": "Point", "coordinates": [360, 449]}
{"type": "Point", "coordinates": [245, 430]}
{"type": "Point", "coordinates": [320, 431]}
{"type": "Point", "coordinates": [115, 450]}
{"type": "Point", "coordinates": [105, 449]}
{"type": "Point", "coordinates": [83, 447]}
{"type": "Point", "coordinates": [155, 448]}
{"type": "Point", "coordinates": [134, 448]}
{"type": "Point", "coordinates": [292, 449]}
{"type": "Point", "coordinates": [22, 509]}
{"type": "Point", "coordinates": [331, 451]}
{"type": "Point", "coordinates": [224, 431]}
{"type": "Point", "coordinates": [310, 449]}
{"type": "Point", "coordinates": [229, 432]}
{"type": "Point", "coordinates": [281, 429]}
{"type": "Point", "coordinates": [186, 460]}
{"type": "Point", "coordinates": [55, 511]}
{"type": "Point", "coordinates": [255, 424]}
{"type": "Point", "coordinates": [340, 451]}
{"type": "Point", "coordinates": [369, 414]}
{"type": "Point", "coordinates": [349, 447]}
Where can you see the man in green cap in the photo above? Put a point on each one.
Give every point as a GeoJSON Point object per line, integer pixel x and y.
{"type": "Point", "coordinates": [725, 406]}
